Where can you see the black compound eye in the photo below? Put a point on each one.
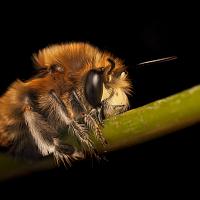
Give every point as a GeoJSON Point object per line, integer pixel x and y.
{"type": "Point", "coordinates": [94, 87]}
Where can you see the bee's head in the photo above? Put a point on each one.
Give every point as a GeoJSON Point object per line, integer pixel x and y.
{"type": "Point", "coordinates": [101, 77]}
{"type": "Point", "coordinates": [108, 86]}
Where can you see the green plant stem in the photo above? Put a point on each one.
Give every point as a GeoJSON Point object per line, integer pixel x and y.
{"type": "Point", "coordinates": [153, 120]}
{"type": "Point", "coordinates": [135, 126]}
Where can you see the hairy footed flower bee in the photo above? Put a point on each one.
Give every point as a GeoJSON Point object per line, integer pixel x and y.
{"type": "Point", "coordinates": [76, 86]}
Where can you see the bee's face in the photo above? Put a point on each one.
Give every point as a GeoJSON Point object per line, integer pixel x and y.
{"type": "Point", "coordinates": [108, 86]}
{"type": "Point", "coordinates": [101, 77]}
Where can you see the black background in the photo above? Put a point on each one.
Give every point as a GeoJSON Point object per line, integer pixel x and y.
{"type": "Point", "coordinates": [135, 33]}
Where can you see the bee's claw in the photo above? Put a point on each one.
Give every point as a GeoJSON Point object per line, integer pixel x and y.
{"type": "Point", "coordinates": [100, 116]}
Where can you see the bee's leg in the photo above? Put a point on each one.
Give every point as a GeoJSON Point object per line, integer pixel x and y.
{"type": "Point", "coordinates": [98, 115]}
{"type": "Point", "coordinates": [94, 126]}
{"type": "Point", "coordinates": [93, 119]}
{"type": "Point", "coordinates": [80, 131]}
{"type": "Point", "coordinates": [65, 153]}
{"type": "Point", "coordinates": [77, 129]}
{"type": "Point", "coordinates": [45, 136]}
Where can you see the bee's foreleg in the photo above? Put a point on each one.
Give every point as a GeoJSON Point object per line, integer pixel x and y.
{"type": "Point", "coordinates": [75, 128]}
{"type": "Point", "coordinates": [93, 119]}
{"type": "Point", "coordinates": [92, 123]}
{"type": "Point", "coordinates": [98, 115]}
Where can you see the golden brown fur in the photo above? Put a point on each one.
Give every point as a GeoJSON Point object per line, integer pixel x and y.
{"type": "Point", "coordinates": [75, 60]}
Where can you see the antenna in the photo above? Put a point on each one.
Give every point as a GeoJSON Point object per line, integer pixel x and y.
{"type": "Point", "coordinates": [160, 60]}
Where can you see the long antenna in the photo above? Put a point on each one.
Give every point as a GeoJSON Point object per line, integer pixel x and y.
{"type": "Point", "coordinates": [160, 60]}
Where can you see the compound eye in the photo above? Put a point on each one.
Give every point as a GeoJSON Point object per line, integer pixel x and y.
{"type": "Point", "coordinates": [94, 87]}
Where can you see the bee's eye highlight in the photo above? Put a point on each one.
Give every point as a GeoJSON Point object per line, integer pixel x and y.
{"type": "Point", "coordinates": [94, 87]}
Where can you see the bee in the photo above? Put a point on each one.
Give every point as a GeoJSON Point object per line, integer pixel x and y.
{"type": "Point", "coordinates": [76, 86]}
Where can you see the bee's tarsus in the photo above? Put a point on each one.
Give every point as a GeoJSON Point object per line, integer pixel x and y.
{"type": "Point", "coordinates": [91, 121]}
{"type": "Point", "coordinates": [62, 157]}
{"type": "Point", "coordinates": [100, 115]}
